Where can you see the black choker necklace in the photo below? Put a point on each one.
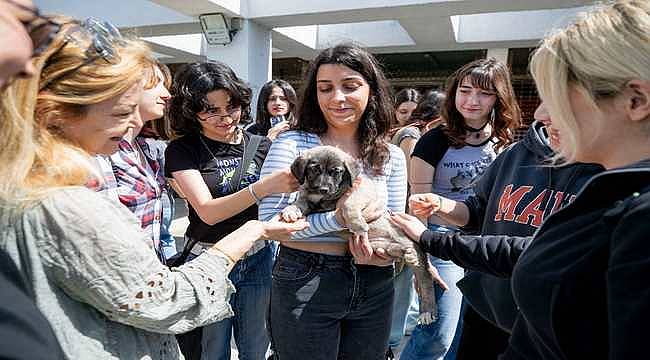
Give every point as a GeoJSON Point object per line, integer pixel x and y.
{"type": "Point", "coordinates": [477, 132]}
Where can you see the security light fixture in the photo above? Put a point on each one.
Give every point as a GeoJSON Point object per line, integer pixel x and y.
{"type": "Point", "coordinates": [216, 29]}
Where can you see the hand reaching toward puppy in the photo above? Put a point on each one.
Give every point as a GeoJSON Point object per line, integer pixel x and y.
{"type": "Point", "coordinates": [409, 224]}
{"type": "Point", "coordinates": [424, 205]}
{"type": "Point", "coordinates": [280, 181]}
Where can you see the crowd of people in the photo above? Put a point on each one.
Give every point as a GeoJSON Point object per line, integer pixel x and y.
{"type": "Point", "coordinates": [538, 245]}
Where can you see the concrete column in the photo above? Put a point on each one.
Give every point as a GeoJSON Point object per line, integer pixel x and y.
{"type": "Point", "coordinates": [500, 54]}
{"type": "Point", "coordinates": [249, 55]}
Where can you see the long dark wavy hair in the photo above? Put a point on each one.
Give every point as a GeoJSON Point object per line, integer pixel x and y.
{"type": "Point", "coordinates": [189, 93]}
{"type": "Point", "coordinates": [488, 74]}
{"type": "Point", "coordinates": [263, 117]}
{"type": "Point", "coordinates": [378, 115]}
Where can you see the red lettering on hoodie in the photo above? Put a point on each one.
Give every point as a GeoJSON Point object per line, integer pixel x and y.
{"type": "Point", "coordinates": [533, 210]}
{"type": "Point", "coordinates": [508, 202]}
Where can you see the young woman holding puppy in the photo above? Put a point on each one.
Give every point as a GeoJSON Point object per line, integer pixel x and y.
{"type": "Point", "coordinates": [324, 304]}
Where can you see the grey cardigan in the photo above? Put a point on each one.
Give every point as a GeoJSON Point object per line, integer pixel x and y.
{"type": "Point", "coordinates": [100, 284]}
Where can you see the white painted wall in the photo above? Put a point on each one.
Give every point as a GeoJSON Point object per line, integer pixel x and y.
{"type": "Point", "coordinates": [249, 55]}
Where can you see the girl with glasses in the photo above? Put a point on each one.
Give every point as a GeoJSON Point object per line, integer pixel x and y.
{"type": "Point", "coordinates": [208, 102]}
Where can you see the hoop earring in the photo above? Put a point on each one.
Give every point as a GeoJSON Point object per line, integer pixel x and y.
{"type": "Point", "coordinates": [492, 115]}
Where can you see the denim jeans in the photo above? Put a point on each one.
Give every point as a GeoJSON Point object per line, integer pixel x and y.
{"type": "Point", "coordinates": [325, 307]}
{"type": "Point", "coordinates": [439, 340]}
{"type": "Point", "coordinates": [405, 295]}
{"type": "Point", "coordinates": [251, 277]}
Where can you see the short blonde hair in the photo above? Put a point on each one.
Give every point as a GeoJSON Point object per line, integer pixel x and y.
{"type": "Point", "coordinates": [596, 55]}
{"type": "Point", "coordinates": [35, 154]}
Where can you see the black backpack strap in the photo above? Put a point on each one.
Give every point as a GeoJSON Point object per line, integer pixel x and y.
{"type": "Point", "coordinates": [249, 152]}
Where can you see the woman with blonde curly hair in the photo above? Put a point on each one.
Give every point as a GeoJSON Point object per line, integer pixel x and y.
{"type": "Point", "coordinates": [92, 269]}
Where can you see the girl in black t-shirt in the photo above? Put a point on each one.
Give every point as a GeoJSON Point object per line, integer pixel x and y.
{"type": "Point", "coordinates": [208, 102]}
{"type": "Point", "coordinates": [479, 115]}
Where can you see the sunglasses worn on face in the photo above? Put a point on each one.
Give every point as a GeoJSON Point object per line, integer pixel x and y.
{"type": "Point", "coordinates": [41, 29]}
{"type": "Point", "coordinates": [102, 37]}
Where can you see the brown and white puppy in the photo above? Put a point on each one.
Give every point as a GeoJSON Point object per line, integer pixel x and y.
{"type": "Point", "coordinates": [325, 174]}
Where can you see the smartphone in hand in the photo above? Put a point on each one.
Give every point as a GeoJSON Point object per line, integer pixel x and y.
{"type": "Point", "coordinates": [276, 120]}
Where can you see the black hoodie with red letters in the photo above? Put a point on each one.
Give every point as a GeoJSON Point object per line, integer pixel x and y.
{"type": "Point", "coordinates": [513, 197]}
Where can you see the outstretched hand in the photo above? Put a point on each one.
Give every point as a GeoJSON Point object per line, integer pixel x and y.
{"type": "Point", "coordinates": [424, 205]}
{"type": "Point", "coordinates": [275, 229]}
{"type": "Point", "coordinates": [409, 224]}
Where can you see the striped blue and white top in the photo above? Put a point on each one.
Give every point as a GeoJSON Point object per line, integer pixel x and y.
{"type": "Point", "coordinates": [391, 186]}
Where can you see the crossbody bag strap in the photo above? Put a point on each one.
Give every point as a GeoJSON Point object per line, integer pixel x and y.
{"type": "Point", "coordinates": [249, 152]}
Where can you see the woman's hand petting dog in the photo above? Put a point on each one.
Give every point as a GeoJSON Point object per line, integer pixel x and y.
{"type": "Point", "coordinates": [409, 224]}
{"type": "Point", "coordinates": [276, 229]}
{"type": "Point", "coordinates": [280, 181]}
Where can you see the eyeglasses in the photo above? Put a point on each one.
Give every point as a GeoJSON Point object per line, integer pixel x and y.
{"type": "Point", "coordinates": [210, 114]}
{"type": "Point", "coordinates": [41, 29]}
{"type": "Point", "coordinates": [102, 36]}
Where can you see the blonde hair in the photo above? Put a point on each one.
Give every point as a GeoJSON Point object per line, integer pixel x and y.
{"type": "Point", "coordinates": [596, 56]}
{"type": "Point", "coordinates": [36, 157]}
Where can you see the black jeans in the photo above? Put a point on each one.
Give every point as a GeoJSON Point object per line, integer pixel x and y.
{"type": "Point", "coordinates": [326, 307]}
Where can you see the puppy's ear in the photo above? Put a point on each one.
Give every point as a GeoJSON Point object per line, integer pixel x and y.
{"type": "Point", "coordinates": [352, 170]}
{"type": "Point", "coordinates": [298, 168]}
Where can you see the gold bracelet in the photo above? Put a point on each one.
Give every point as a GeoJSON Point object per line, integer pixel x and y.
{"type": "Point", "coordinates": [222, 254]}
{"type": "Point", "coordinates": [250, 190]}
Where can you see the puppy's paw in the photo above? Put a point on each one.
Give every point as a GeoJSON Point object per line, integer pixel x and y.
{"type": "Point", "coordinates": [426, 318]}
{"type": "Point", "coordinates": [291, 214]}
{"type": "Point", "coordinates": [411, 257]}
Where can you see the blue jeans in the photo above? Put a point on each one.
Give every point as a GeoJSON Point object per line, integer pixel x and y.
{"type": "Point", "coordinates": [439, 340]}
{"type": "Point", "coordinates": [251, 277]}
{"type": "Point", "coordinates": [325, 307]}
{"type": "Point", "coordinates": [405, 295]}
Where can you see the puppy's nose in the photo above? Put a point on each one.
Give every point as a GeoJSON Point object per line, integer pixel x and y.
{"type": "Point", "coordinates": [323, 190]}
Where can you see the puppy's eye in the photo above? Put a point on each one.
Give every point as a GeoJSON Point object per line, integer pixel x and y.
{"type": "Point", "coordinates": [315, 168]}
{"type": "Point", "coordinates": [336, 171]}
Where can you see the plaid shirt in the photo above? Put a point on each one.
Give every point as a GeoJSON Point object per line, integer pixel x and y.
{"type": "Point", "coordinates": [142, 189]}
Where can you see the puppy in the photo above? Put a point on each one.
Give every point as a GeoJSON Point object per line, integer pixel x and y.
{"type": "Point", "coordinates": [325, 174]}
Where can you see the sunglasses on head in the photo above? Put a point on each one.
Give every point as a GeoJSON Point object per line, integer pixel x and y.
{"type": "Point", "coordinates": [101, 36]}
{"type": "Point", "coordinates": [40, 28]}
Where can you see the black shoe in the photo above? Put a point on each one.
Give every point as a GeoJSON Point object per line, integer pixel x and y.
{"type": "Point", "coordinates": [389, 354]}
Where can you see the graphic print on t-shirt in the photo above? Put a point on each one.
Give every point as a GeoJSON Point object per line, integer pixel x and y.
{"type": "Point", "coordinates": [459, 169]}
{"type": "Point", "coordinates": [467, 172]}
{"type": "Point", "coordinates": [225, 169]}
